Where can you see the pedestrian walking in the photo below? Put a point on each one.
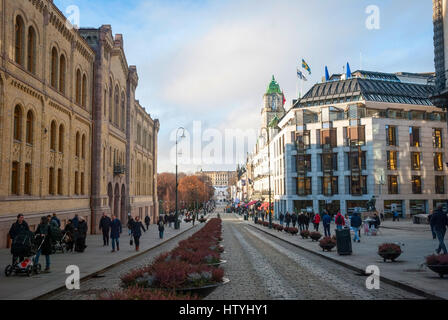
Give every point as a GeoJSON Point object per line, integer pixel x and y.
{"type": "Point", "coordinates": [316, 222]}
{"type": "Point", "coordinates": [281, 218]}
{"type": "Point", "coordinates": [356, 223]}
{"type": "Point", "coordinates": [439, 221]}
{"type": "Point", "coordinates": [287, 219]}
{"type": "Point", "coordinates": [434, 236]}
{"type": "Point", "coordinates": [307, 220]}
{"type": "Point", "coordinates": [161, 228]}
{"type": "Point", "coordinates": [55, 220]}
{"type": "Point", "coordinates": [43, 234]}
{"type": "Point", "coordinates": [395, 216]}
{"type": "Point", "coordinates": [340, 221]}
{"type": "Point", "coordinates": [80, 244]}
{"type": "Point", "coordinates": [105, 228]}
{"type": "Point", "coordinates": [75, 222]}
{"type": "Point", "coordinates": [129, 224]}
{"type": "Point", "coordinates": [194, 218]}
{"type": "Point", "coordinates": [294, 219]}
{"type": "Point", "coordinates": [326, 222]}
{"type": "Point", "coordinates": [301, 221]}
{"type": "Point", "coordinates": [137, 228]}
{"type": "Point", "coordinates": [147, 221]}
{"type": "Point", "coordinates": [69, 235]}
{"type": "Point", "coordinates": [17, 228]}
{"type": "Point", "coordinates": [115, 231]}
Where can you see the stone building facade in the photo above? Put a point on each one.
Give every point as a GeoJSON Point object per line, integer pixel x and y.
{"type": "Point", "coordinates": [66, 105]}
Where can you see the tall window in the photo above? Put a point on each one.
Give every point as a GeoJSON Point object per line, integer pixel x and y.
{"type": "Point", "coordinates": [60, 179]}
{"type": "Point", "coordinates": [28, 179]}
{"type": "Point", "coordinates": [391, 135]}
{"type": "Point", "coordinates": [61, 138]}
{"type": "Point", "coordinates": [123, 123]}
{"type": "Point", "coordinates": [116, 106]}
{"type": "Point", "coordinates": [29, 127]}
{"type": "Point", "coordinates": [416, 184]}
{"type": "Point", "coordinates": [53, 136]}
{"type": "Point", "coordinates": [76, 183]}
{"type": "Point", "coordinates": [414, 136]}
{"type": "Point", "coordinates": [62, 70]}
{"type": "Point", "coordinates": [110, 101]}
{"type": "Point", "coordinates": [77, 144]}
{"type": "Point", "coordinates": [78, 87]}
{"type": "Point", "coordinates": [15, 178]}
{"type": "Point", "coordinates": [415, 160]}
{"type": "Point", "coordinates": [392, 182]}
{"type": "Point", "coordinates": [437, 138]}
{"type": "Point", "coordinates": [392, 160]}
{"type": "Point", "coordinates": [51, 181]}
{"type": "Point", "coordinates": [440, 184]}
{"type": "Point", "coordinates": [438, 161]}
{"type": "Point", "coordinates": [84, 91]}
{"type": "Point", "coordinates": [54, 68]}
{"type": "Point", "coordinates": [82, 183]}
{"type": "Point", "coordinates": [83, 146]}
{"type": "Point", "coordinates": [19, 40]}
{"type": "Point", "coordinates": [304, 186]}
{"type": "Point", "coordinates": [31, 66]}
{"type": "Point", "coordinates": [17, 123]}
{"type": "Point", "coordinates": [105, 103]}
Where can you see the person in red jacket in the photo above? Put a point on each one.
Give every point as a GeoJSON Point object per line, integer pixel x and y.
{"type": "Point", "coordinates": [340, 221]}
{"type": "Point", "coordinates": [316, 222]}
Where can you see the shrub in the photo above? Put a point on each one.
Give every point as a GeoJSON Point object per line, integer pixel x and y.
{"type": "Point", "coordinates": [435, 260]}
{"type": "Point", "coordinates": [327, 241]}
{"type": "Point", "coordinates": [389, 248]}
{"type": "Point", "coordinates": [305, 233]}
{"type": "Point", "coordinates": [315, 235]}
{"type": "Point", "coordinates": [292, 230]}
{"type": "Point", "coordinates": [136, 293]}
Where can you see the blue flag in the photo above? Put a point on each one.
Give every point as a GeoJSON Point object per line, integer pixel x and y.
{"type": "Point", "coordinates": [349, 72]}
{"type": "Point", "coordinates": [327, 75]}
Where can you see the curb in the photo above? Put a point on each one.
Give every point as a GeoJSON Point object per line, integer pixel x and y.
{"type": "Point", "coordinates": [392, 282]}
{"type": "Point", "coordinates": [89, 276]}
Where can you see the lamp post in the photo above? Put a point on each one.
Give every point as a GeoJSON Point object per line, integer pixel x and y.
{"type": "Point", "coordinates": [176, 222]}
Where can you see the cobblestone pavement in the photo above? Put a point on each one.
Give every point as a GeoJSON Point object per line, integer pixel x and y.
{"type": "Point", "coordinates": [110, 280]}
{"type": "Point", "coordinates": [263, 267]}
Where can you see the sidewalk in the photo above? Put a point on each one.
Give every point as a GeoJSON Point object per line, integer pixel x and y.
{"type": "Point", "coordinates": [407, 271]}
{"type": "Point", "coordinates": [94, 259]}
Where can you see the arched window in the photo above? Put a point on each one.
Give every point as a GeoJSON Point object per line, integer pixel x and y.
{"type": "Point", "coordinates": [84, 91]}
{"type": "Point", "coordinates": [78, 87]}
{"type": "Point", "coordinates": [28, 179]}
{"type": "Point", "coordinates": [19, 40]}
{"type": "Point", "coordinates": [54, 68]}
{"type": "Point", "coordinates": [31, 50]}
{"type": "Point", "coordinates": [53, 136]}
{"type": "Point", "coordinates": [82, 183]}
{"type": "Point", "coordinates": [51, 181]}
{"type": "Point", "coordinates": [83, 146]}
{"type": "Point", "coordinates": [29, 127]}
{"type": "Point", "coordinates": [15, 178]}
{"type": "Point", "coordinates": [76, 183]}
{"type": "Point", "coordinates": [60, 180]}
{"type": "Point", "coordinates": [110, 101]}
{"type": "Point", "coordinates": [123, 123]}
{"type": "Point", "coordinates": [116, 106]}
{"type": "Point", "coordinates": [77, 144]}
{"type": "Point", "coordinates": [61, 138]}
{"type": "Point", "coordinates": [62, 70]}
{"type": "Point", "coordinates": [18, 123]}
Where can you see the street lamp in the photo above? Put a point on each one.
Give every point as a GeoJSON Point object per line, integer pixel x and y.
{"type": "Point", "coordinates": [176, 223]}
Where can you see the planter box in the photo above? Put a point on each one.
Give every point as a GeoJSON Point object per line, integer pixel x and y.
{"type": "Point", "coordinates": [389, 255]}
{"type": "Point", "coordinates": [442, 270]}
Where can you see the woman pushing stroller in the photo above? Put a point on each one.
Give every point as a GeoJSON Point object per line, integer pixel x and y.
{"type": "Point", "coordinates": [43, 231]}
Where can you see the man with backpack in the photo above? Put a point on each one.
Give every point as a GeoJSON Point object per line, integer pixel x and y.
{"type": "Point", "coordinates": [326, 221]}
{"type": "Point", "coordinates": [340, 221]}
{"type": "Point", "coordinates": [17, 228]}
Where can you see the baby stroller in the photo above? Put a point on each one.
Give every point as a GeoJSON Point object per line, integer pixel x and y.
{"type": "Point", "coordinates": [60, 243]}
{"type": "Point", "coordinates": [25, 245]}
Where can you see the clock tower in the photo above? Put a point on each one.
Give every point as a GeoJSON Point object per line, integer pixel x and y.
{"type": "Point", "coordinates": [273, 103]}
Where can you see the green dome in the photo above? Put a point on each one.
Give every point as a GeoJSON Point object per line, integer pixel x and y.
{"type": "Point", "coordinates": [273, 87]}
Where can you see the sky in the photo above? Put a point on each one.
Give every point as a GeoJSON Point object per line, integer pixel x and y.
{"type": "Point", "coordinates": [207, 63]}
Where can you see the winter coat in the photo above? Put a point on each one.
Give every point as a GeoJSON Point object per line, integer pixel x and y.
{"type": "Point", "coordinates": [288, 218]}
{"type": "Point", "coordinates": [439, 220]}
{"type": "Point", "coordinates": [326, 220]}
{"type": "Point", "coordinates": [17, 227]}
{"type": "Point", "coordinates": [282, 216]}
{"type": "Point", "coordinates": [46, 245]}
{"type": "Point", "coordinates": [316, 219]}
{"type": "Point", "coordinates": [356, 221]}
{"type": "Point", "coordinates": [147, 220]}
{"type": "Point", "coordinates": [82, 228]}
{"type": "Point", "coordinates": [75, 222]}
{"type": "Point", "coordinates": [161, 226]}
{"type": "Point", "coordinates": [339, 220]}
{"type": "Point", "coordinates": [56, 220]}
{"type": "Point", "coordinates": [294, 218]}
{"type": "Point", "coordinates": [115, 229]}
{"type": "Point", "coordinates": [105, 224]}
{"type": "Point", "coordinates": [137, 228]}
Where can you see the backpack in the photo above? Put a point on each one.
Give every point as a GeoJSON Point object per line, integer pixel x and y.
{"type": "Point", "coordinates": [339, 220]}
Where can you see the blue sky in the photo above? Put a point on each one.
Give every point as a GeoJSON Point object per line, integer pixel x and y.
{"type": "Point", "coordinates": [211, 61]}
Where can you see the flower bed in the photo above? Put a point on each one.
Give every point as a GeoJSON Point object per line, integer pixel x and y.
{"type": "Point", "coordinates": [315, 236]}
{"type": "Point", "coordinates": [389, 251]}
{"type": "Point", "coordinates": [265, 224]}
{"type": "Point", "coordinates": [327, 243]}
{"type": "Point", "coordinates": [136, 293]}
{"type": "Point", "coordinates": [186, 266]}
{"type": "Point", "coordinates": [438, 264]}
{"type": "Point", "coordinates": [278, 227]}
{"type": "Point", "coordinates": [305, 234]}
{"type": "Point", "coordinates": [292, 230]}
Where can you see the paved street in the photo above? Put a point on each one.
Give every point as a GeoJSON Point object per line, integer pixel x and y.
{"type": "Point", "coordinates": [262, 267]}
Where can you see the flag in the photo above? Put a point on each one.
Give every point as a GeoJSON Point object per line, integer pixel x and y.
{"type": "Point", "coordinates": [306, 66]}
{"type": "Point", "coordinates": [284, 99]}
{"type": "Point", "coordinates": [327, 75]}
{"type": "Point", "coordinates": [301, 76]}
{"type": "Point", "coordinates": [349, 72]}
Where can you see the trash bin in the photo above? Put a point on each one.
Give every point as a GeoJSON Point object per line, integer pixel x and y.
{"type": "Point", "coordinates": [344, 242]}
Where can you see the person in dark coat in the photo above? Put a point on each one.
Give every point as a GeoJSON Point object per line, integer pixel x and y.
{"type": "Point", "coordinates": [301, 221]}
{"type": "Point", "coordinates": [147, 221]}
{"type": "Point", "coordinates": [294, 219]}
{"type": "Point", "coordinates": [326, 222]}
{"type": "Point", "coordinates": [162, 228]}
{"type": "Point", "coordinates": [43, 235]}
{"type": "Point", "coordinates": [17, 227]}
{"type": "Point", "coordinates": [55, 220]}
{"type": "Point", "coordinates": [287, 219]}
{"type": "Point", "coordinates": [75, 222]}
{"type": "Point", "coordinates": [439, 221]}
{"type": "Point", "coordinates": [307, 219]}
{"type": "Point", "coordinates": [355, 223]}
{"type": "Point", "coordinates": [281, 217]}
{"type": "Point", "coordinates": [105, 228]}
{"type": "Point", "coordinates": [137, 227]}
{"type": "Point", "coordinates": [80, 243]}
{"type": "Point", "coordinates": [129, 224]}
{"type": "Point", "coordinates": [115, 231]}
{"type": "Point", "coordinates": [70, 235]}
